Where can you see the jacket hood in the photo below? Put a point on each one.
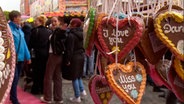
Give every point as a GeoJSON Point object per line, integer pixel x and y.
{"type": "Point", "coordinates": [77, 32]}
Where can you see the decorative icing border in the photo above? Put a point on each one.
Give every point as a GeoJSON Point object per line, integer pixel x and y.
{"type": "Point", "coordinates": [117, 89]}
{"type": "Point", "coordinates": [159, 32]}
{"type": "Point", "coordinates": [99, 19]}
{"type": "Point", "coordinates": [138, 22]}
{"type": "Point", "coordinates": [12, 48]}
{"type": "Point", "coordinates": [94, 35]}
{"type": "Point", "coordinates": [92, 13]}
{"type": "Point", "coordinates": [178, 68]}
{"type": "Point", "coordinates": [95, 97]}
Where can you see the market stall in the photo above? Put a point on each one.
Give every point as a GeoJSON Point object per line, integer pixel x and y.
{"type": "Point", "coordinates": [135, 39]}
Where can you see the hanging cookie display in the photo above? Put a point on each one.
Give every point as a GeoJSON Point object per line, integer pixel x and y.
{"type": "Point", "coordinates": [127, 81]}
{"type": "Point", "coordinates": [128, 35]}
{"type": "Point", "coordinates": [169, 28]}
{"type": "Point", "coordinates": [116, 40]}
{"type": "Point", "coordinates": [7, 58]}
{"type": "Point", "coordinates": [100, 90]}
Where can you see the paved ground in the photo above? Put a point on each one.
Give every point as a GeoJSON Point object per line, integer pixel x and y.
{"type": "Point", "coordinates": [149, 97]}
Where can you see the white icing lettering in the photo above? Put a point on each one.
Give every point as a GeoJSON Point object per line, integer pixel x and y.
{"type": "Point", "coordinates": [113, 39]}
{"type": "Point", "coordinates": [102, 90]}
{"type": "Point", "coordinates": [128, 87]}
{"type": "Point", "coordinates": [173, 29]}
{"type": "Point", "coordinates": [105, 34]}
{"type": "Point", "coordinates": [127, 79]}
{"type": "Point", "coordinates": [127, 82]}
{"type": "Point", "coordinates": [4, 74]}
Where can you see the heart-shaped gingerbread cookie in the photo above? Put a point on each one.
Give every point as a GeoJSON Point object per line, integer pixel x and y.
{"type": "Point", "coordinates": [100, 90]}
{"type": "Point", "coordinates": [128, 35]}
{"type": "Point", "coordinates": [151, 47]}
{"type": "Point", "coordinates": [7, 58]}
{"type": "Point", "coordinates": [179, 68]}
{"type": "Point", "coordinates": [169, 27]}
{"type": "Point", "coordinates": [177, 84]}
{"type": "Point", "coordinates": [127, 81]}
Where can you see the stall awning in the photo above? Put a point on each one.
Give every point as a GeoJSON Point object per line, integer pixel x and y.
{"type": "Point", "coordinates": [67, 13]}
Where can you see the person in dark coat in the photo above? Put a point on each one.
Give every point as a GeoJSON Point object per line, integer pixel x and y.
{"type": "Point", "coordinates": [27, 72]}
{"type": "Point", "coordinates": [53, 69]}
{"type": "Point", "coordinates": [75, 59]}
{"type": "Point", "coordinates": [27, 31]}
{"type": "Point", "coordinates": [39, 45]}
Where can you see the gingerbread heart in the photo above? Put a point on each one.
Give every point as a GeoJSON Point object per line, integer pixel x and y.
{"type": "Point", "coordinates": [128, 35]}
{"type": "Point", "coordinates": [7, 58]}
{"type": "Point", "coordinates": [100, 90]}
{"type": "Point", "coordinates": [127, 81]}
{"type": "Point", "coordinates": [179, 68]}
{"type": "Point", "coordinates": [169, 27]}
{"type": "Point", "coordinates": [151, 47]}
{"type": "Point", "coordinates": [177, 84]}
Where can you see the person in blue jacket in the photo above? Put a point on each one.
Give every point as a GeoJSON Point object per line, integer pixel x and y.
{"type": "Point", "coordinates": [22, 52]}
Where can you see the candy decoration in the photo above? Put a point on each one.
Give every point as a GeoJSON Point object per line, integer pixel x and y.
{"type": "Point", "coordinates": [99, 90]}
{"type": "Point", "coordinates": [171, 33]}
{"type": "Point", "coordinates": [7, 58]}
{"type": "Point", "coordinates": [127, 81]}
{"type": "Point", "coordinates": [90, 25]}
{"type": "Point", "coordinates": [128, 35]}
{"type": "Point", "coordinates": [179, 68]}
{"type": "Point", "coordinates": [120, 15]}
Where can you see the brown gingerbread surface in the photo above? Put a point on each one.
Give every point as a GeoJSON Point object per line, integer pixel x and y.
{"type": "Point", "coordinates": [7, 64]}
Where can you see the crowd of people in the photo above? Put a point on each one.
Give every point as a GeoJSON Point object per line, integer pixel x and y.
{"type": "Point", "coordinates": [53, 53]}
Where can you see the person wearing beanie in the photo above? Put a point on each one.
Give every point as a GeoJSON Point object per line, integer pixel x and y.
{"type": "Point", "coordinates": [75, 59]}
